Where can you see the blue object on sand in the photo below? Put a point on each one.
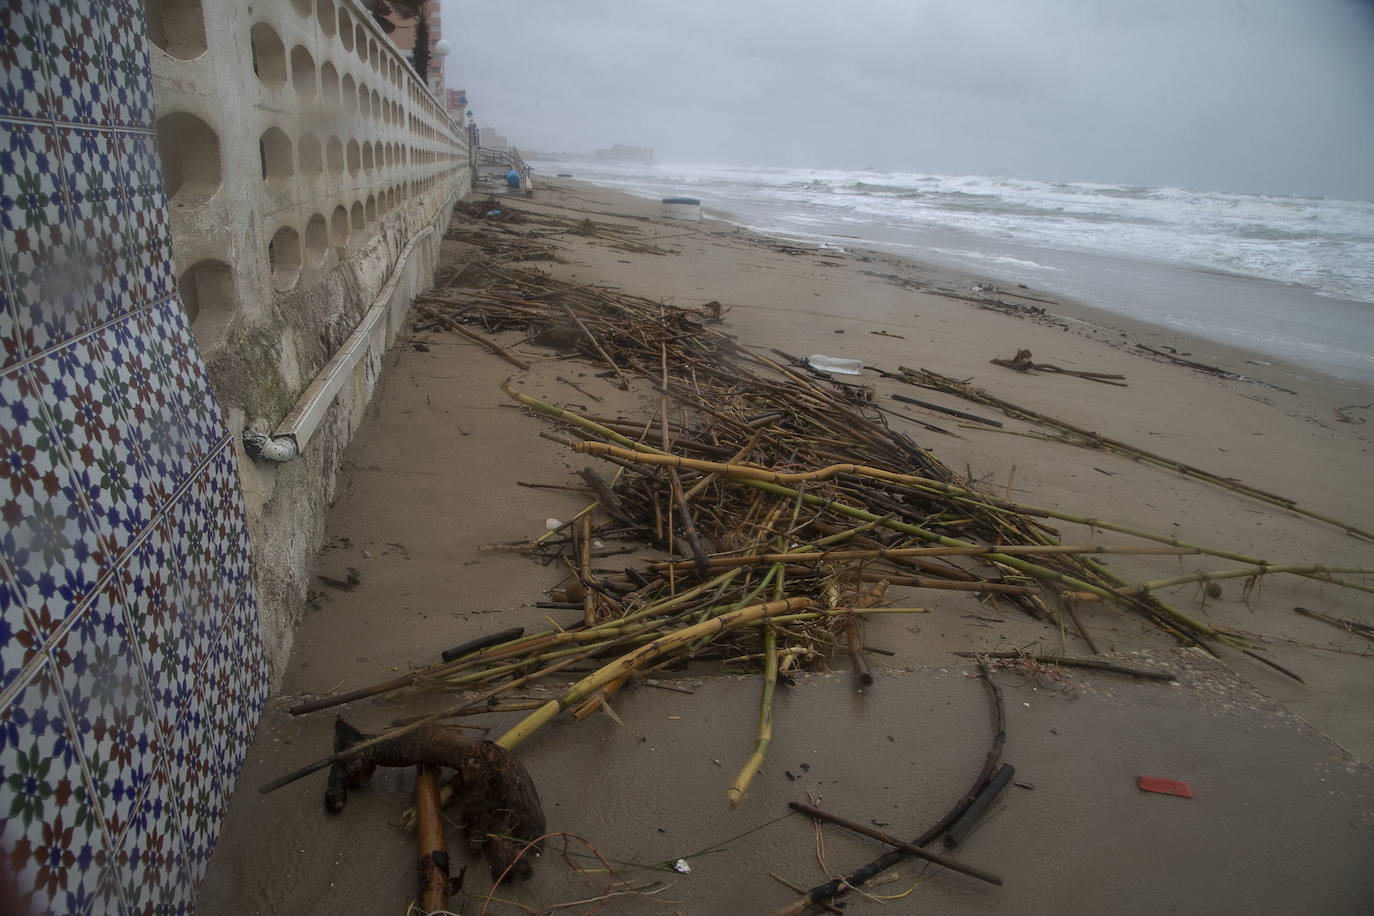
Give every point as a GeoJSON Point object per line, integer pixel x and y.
{"type": "Point", "coordinates": [513, 179]}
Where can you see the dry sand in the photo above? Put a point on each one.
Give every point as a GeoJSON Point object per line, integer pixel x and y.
{"type": "Point", "coordinates": [1283, 818]}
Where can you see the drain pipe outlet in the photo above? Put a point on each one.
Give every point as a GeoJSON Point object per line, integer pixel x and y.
{"type": "Point", "coordinates": [270, 448]}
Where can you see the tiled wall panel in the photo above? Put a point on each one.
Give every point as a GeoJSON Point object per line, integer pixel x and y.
{"type": "Point", "coordinates": [131, 665]}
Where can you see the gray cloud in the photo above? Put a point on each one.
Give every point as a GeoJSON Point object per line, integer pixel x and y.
{"type": "Point", "coordinates": [1253, 95]}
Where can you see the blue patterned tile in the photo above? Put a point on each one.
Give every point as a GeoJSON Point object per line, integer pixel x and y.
{"type": "Point", "coordinates": [228, 526]}
{"type": "Point", "coordinates": [183, 377]}
{"type": "Point", "coordinates": [97, 667]}
{"type": "Point", "coordinates": [34, 234]}
{"type": "Point", "coordinates": [10, 351]}
{"type": "Point", "coordinates": [146, 243]}
{"type": "Point", "coordinates": [49, 539]}
{"type": "Point", "coordinates": [76, 64]}
{"type": "Point", "coordinates": [200, 787]}
{"type": "Point", "coordinates": [52, 840]}
{"type": "Point", "coordinates": [90, 180]}
{"type": "Point", "coordinates": [247, 682]}
{"type": "Point", "coordinates": [154, 602]}
{"type": "Point", "coordinates": [201, 605]}
{"type": "Point", "coordinates": [124, 54]}
{"type": "Point", "coordinates": [23, 60]}
{"type": "Point", "coordinates": [19, 644]}
{"type": "Point", "coordinates": [150, 859]}
{"type": "Point", "coordinates": [172, 447]}
{"type": "Point", "coordinates": [91, 417]}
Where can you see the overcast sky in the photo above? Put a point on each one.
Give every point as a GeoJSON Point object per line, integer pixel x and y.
{"type": "Point", "coordinates": [1272, 96]}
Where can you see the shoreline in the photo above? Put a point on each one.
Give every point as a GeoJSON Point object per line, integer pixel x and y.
{"type": "Point", "coordinates": [442, 467]}
{"type": "Point", "coordinates": [1267, 296]}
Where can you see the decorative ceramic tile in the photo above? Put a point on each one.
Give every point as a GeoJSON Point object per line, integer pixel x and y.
{"type": "Point", "coordinates": [76, 65]}
{"type": "Point", "coordinates": [91, 179]}
{"type": "Point", "coordinates": [49, 540]}
{"type": "Point", "coordinates": [23, 60]}
{"type": "Point", "coordinates": [247, 683]}
{"type": "Point", "coordinates": [146, 231]}
{"type": "Point", "coordinates": [52, 840]}
{"type": "Point", "coordinates": [34, 237]}
{"type": "Point", "coordinates": [19, 644]}
{"type": "Point", "coordinates": [154, 604]}
{"type": "Point", "coordinates": [200, 788]}
{"type": "Point", "coordinates": [227, 527]}
{"type": "Point", "coordinates": [184, 379]}
{"type": "Point", "coordinates": [170, 445]}
{"type": "Point", "coordinates": [90, 417]}
{"type": "Point", "coordinates": [128, 77]}
{"type": "Point", "coordinates": [150, 859]}
{"type": "Point", "coordinates": [9, 328]}
{"type": "Point", "coordinates": [102, 681]}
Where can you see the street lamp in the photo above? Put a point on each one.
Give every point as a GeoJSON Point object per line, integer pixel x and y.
{"type": "Point", "coordinates": [441, 49]}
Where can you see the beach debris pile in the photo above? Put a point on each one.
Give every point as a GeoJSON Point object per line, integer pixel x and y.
{"type": "Point", "coordinates": [754, 513]}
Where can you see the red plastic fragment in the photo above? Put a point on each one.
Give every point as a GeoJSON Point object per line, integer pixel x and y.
{"type": "Point", "coordinates": [1164, 786]}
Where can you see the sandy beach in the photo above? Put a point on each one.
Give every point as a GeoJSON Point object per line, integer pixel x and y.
{"type": "Point", "coordinates": [1283, 813]}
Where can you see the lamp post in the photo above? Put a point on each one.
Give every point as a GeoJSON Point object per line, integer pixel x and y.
{"type": "Point", "coordinates": [441, 49]}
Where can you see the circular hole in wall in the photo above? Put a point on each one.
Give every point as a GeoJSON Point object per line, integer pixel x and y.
{"type": "Point", "coordinates": [302, 8]}
{"type": "Point", "coordinates": [338, 227]}
{"type": "Point", "coordinates": [345, 29]}
{"type": "Point", "coordinates": [189, 150]}
{"type": "Point", "coordinates": [334, 157]}
{"type": "Point", "coordinates": [316, 240]}
{"type": "Point", "coordinates": [355, 216]}
{"type": "Point", "coordinates": [269, 56]}
{"type": "Point", "coordinates": [207, 295]}
{"type": "Point", "coordinates": [275, 150]}
{"type": "Point", "coordinates": [360, 39]}
{"type": "Point", "coordinates": [354, 158]}
{"type": "Point", "coordinates": [324, 12]}
{"type": "Point", "coordinates": [367, 157]}
{"type": "Point", "coordinates": [177, 27]}
{"type": "Point", "coordinates": [364, 101]}
{"type": "Point", "coordinates": [374, 55]}
{"type": "Point", "coordinates": [370, 207]}
{"type": "Point", "coordinates": [376, 105]}
{"type": "Point", "coordinates": [284, 258]}
{"type": "Point", "coordinates": [303, 73]}
{"type": "Point", "coordinates": [329, 85]}
{"type": "Point", "coordinates": [312, 160]}
{"type": "Point", "coordinates": [381, 204]}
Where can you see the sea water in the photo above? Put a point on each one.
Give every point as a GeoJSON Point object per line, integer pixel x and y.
{"type": "Point", "coordinates": [1291, 277]}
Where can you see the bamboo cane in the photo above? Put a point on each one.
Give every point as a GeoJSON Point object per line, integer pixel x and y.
{"type": "Point", "coordinates": [765, 730]}
{"type": "Point", "coordinates": [628, 663]}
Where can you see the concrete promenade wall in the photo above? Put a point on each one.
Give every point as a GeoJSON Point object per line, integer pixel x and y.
{"type": "Point", "coordinates": [302, 156]}
{"type": "Point", "coordinates": [201, 202]}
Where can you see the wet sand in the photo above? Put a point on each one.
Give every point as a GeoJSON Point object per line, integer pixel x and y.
{"type": "Point", "coordinates": [1283, 816]}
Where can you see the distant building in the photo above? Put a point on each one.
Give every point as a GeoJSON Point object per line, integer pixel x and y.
{"type": "Point", "coordinates": [403, 36]}
{"type": "Point", "coordinates": [456, 103]}
{"type": "Point", "coordinates": [492, 140]}
{"type": "Point", "coordinates": [622, 153]}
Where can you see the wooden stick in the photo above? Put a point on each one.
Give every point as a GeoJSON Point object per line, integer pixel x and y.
{"type": "Point", "coordinates": [624, 382]}
{"type": "Point", "coordinates": [895, 843]}
{"type": "Point", "coordinates": [490, 344]}
{"type": "Point", "coordinates": [430, 827]}
{"type": "Point", "coordinates": [1068, 662]}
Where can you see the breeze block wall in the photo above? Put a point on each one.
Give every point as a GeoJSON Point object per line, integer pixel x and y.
{"type": "Point", "coordinates": [199, 201]}
{"type": "Point", "coordinates": [303, 160]}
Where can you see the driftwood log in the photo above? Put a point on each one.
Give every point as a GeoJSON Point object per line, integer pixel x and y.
{"type": "Point", "coordinates": [500, 807]}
